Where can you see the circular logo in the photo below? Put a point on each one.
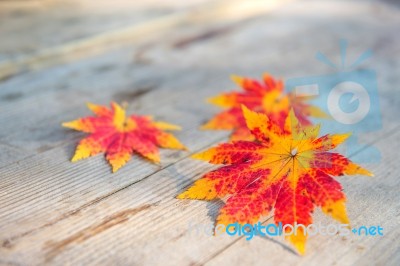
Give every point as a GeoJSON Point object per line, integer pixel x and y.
{"type": "Point", "coordinates": [359, 94]}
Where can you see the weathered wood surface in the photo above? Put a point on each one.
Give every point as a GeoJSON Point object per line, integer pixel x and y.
{"type": "Point", "coordinates": [56, 212]}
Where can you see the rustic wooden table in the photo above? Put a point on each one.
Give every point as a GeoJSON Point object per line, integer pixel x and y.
{"type": "Point", "coordinates": [163, 58]}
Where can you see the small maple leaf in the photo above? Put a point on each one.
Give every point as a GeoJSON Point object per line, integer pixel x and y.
{"type": "Point", "coordinates": [288, 171]}
{"type": "Point", "coordinates": [119, 136]}
{"type": "Point", "coordinates": [267, 97]}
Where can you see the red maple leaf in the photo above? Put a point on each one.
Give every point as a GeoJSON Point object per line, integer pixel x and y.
{"type": "Point", "coordinates": [267, 97]}
{"type": "Point", "coordinates": [288, 172]}
{"type": "Point", "coordinates": [119, 136]}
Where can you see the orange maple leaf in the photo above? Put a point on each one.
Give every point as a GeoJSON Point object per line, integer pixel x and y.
{"type": "Point", "coordinates": [119, 136]}
{"type": "Point", "coordinates": [289, 171]}
{"type": "Point", "coordinates": [267, 97]}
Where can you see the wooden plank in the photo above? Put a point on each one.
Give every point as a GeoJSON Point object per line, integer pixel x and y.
{"type": "Point", "coordinates": [10, 154]}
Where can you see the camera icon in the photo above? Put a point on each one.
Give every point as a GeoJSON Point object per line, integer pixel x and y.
{"type": "Point", "coordinates": [350, 97]}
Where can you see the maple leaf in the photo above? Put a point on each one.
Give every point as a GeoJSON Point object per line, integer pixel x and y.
{"type": "Point", "coordinates": [267, 97]}
{"type": "Point", "coordinates": [112, 132]}
{"type": "Point", "coordinates": [287, 172]}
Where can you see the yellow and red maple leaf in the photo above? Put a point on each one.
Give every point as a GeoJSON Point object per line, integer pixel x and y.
{"type": "Point", "coordinates": [287, 172]}
{"type": "Point", "coordinates": [267, 97]}
{"type": "Point", "coordinates": [118, 135]}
